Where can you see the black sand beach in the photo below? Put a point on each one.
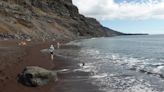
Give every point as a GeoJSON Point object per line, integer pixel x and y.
{"type": "Point", "coordinates": [15, 58]}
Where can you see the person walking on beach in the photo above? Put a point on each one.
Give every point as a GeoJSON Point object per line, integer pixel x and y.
{"type": "Point", "coordinates": [58, 45]}
{"type": "Point", "coordinates": [51, 49]}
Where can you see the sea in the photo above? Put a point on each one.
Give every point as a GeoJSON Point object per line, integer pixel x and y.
{"type": "Point", "coordinates": [122, 63]}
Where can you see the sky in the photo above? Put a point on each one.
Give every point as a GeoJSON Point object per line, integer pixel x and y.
{"type": "Point", "coordinates": [128, 16]}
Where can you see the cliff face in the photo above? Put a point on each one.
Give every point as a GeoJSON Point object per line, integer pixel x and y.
{"type": "Point", "coordinates": [47, 19]}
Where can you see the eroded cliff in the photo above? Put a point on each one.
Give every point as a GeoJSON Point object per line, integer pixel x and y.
{"type": "Point", "coordinates": [47, 19]}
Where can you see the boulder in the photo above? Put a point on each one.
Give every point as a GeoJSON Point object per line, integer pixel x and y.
{"type": "Point", "coordinates": [36, 76]}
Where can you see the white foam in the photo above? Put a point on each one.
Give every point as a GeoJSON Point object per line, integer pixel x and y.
{"type": "Point", "coordinates": [83, 70]}
{"type": "Point", "coordinates": [89, 52]}
{"type": "Point", "coordinates": [88, 67]}
{"type": "Point", "coordinates": [93, 38]}
{"type": "Point", "coordinates": [73, 43]}
{"type": "Point", "coordinates": [138, 64]}
{"type": "Point", "coordinates": [63, 70]}
{"type": "Point", "coordinates": [157, 64]}
{"type": "Point", "coordinates": [81, 64]}
{"type": "Point", "coordinates": [158, 69]}
{"type": "Point", "coordinates": [100, 75]}
{"type": "Point", "coordinates": [140, 88]}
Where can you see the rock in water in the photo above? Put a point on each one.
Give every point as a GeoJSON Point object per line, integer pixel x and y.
{"type": "Point", "coordinates": [35, 76]}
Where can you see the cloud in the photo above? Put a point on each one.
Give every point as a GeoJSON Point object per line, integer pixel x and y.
{"type": "Point", "coordinates": [109, 9]}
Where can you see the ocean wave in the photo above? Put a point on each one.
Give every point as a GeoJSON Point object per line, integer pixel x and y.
{"type": "Point", "coordinates": [76, 43]}
{"type": "Point", "coordinates": [64, 70]}
{"type": "Point", "coordinates": [95, 60]}
{"type": "Point", "coordinates": [89, 52]}
{"type": "Point", "coordinates": [88, 67]}
{"type": "Point", "coordinates": [119, 82]}
{"type": "Point", "coordinates": [141, 65]}
{"type": "Point", "coordinates": [100, 75]}
{"type": "Point", "coordinates": [140, 88]}
{"type": "Point", "coordinates": [122, 83]}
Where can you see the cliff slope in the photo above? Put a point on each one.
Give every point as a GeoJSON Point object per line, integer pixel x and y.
{"type": "Point", "coordinates": [47, 19]}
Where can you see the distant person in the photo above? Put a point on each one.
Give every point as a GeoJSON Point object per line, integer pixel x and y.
{"type": "Point", "coordinates": [43, 40]}
{"type": "Point", "coordinates": [22, 43]}
{"type": "Point", "coordinates": [83, 64]}
{"type": "Point", "coordinates": [58, 45]}
{"type": "Point", "coordinates": [51, 49]}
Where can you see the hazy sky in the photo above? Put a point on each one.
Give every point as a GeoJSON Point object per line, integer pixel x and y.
{"type": "Point", "coordinates": [129, 16]}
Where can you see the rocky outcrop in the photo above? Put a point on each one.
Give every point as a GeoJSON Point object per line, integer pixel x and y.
{"type": "Point", "coordinates": [36, 76]}
{"type": "Point", "coordinates": [47, 19]}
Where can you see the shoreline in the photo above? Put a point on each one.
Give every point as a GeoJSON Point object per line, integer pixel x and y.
{"type": "Point", "coordinates": [19, 57]}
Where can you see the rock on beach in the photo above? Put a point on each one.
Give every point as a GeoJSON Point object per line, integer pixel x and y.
{"type": "Point", "coordinates": [36, 76]}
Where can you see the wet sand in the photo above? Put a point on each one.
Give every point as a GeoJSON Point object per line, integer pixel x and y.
{"type": "Point", "coordinates": [14, 58]}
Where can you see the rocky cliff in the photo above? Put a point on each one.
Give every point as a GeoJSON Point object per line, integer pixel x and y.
{"type": "Point", "coordinates": [47, 19]}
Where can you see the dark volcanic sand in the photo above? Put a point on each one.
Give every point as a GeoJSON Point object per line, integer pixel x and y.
{"type": "Point", "coordinates": [14, 58]}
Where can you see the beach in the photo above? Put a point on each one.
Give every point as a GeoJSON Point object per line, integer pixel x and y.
{"type": "Point", "coordinates": [124, 64]}
{"type": "Point", "coordinates": [15, 58]}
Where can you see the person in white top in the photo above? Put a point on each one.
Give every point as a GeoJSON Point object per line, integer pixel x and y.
{"type": "Point", "coordinates": [51, 49]}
